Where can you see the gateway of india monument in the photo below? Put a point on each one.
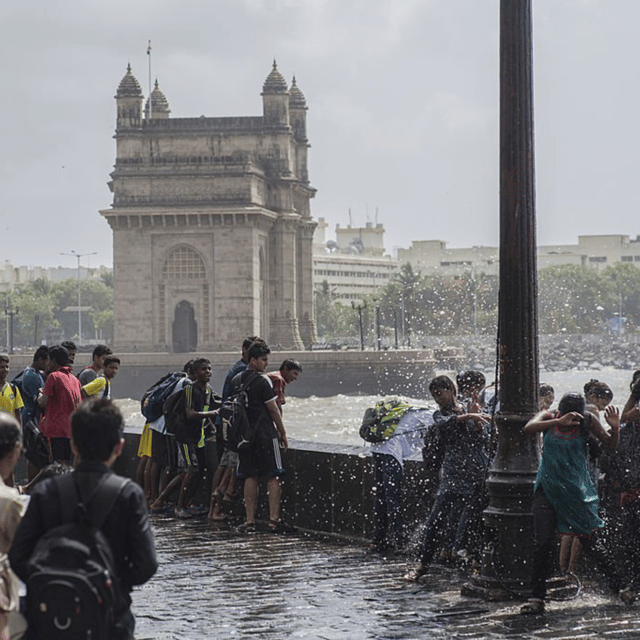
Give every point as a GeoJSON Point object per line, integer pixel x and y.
{"type": "Point", "coordinates": [212, 229]}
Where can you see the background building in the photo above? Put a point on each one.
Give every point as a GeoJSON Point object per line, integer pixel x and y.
{"type": "Point", "coordinates": [211, 220]}
{"type": "Point", "coordinates": [353, 265]}
{"type": "Point", "coordinates": [12, 277]}
{"type": "Point", "coordinates": [598, 251]}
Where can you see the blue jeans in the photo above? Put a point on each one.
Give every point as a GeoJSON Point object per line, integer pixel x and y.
{"type": "Point", "coordinates": [388, 526]}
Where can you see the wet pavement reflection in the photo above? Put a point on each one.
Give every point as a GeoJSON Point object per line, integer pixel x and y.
{"type": "Point", "coordinates": [216, 583]}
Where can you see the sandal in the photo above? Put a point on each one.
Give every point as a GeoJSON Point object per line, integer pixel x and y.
{"type": "Point", "coordinates": [247, 527]}
{"type": "Point", "coordinates": [415, 574]}
{"type": "Point", "coordinates": [533, 606]}
{"type": "Point", "coordinates": [280, 526]}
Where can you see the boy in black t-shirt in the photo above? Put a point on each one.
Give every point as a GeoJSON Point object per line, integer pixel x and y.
{"type": "Point", "coordinates": [263, 457]}
{"type": "Point", "coordinates": [198, 406]}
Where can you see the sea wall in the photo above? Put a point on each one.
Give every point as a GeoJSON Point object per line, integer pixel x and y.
{"type": "Point", "coordinates": [328, 488]}
{"type": "Point", "coordinates": [325, 373]}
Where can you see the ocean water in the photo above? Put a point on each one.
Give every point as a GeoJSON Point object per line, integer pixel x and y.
{"type": "Point", "coordinates": [336, 419]}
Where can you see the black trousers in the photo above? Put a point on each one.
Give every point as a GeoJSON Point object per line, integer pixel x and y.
{"type": "Point", "coordinates": [544, 532]}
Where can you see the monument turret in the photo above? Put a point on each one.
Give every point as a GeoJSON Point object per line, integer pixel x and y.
{"type": "Point", "coordinates": [159, 105]}
{"type": "Point", "coordinates": [129, 102]}
{"type": "Point", "coordinates": [298, 112]}
{"type": "Point", "coordinates": [275, 99]}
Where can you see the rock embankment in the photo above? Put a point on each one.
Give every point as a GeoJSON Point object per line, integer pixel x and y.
{"type": "Point", "coordinates": [561, 353]}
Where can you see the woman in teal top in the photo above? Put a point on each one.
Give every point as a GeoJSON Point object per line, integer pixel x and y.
{"type": "Point", "coordinates": [565, 498]}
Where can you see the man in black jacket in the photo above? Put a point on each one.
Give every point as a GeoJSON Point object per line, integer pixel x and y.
{"type": "Point", "coordinates": [97, 428]}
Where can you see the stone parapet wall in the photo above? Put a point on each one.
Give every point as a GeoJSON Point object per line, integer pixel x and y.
{"type": "Point", "coordinates": [328, 488]}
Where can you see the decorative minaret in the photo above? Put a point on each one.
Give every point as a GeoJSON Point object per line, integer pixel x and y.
{"type": "Point", "coordinates": [275, 99]}
{"type": "Point", "coordinates": [159, 105]}
{"type": "Point", "coordinates": [129, 102]}
{"type": "Point", "coordinates": [298, 112]}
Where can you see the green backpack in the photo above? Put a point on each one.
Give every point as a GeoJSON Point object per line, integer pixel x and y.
{"type": "Point", "coordinates": [380, 422]}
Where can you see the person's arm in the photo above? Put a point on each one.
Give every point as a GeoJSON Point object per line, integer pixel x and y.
{"type": "Point", "coordinates": [47, 392]}
{"type": "Point", "coordinates": [544, 420]}
{"type": "Point", "coordinates": [612, 438]}
{"type": "Point", "coordinates": [190, 412]}
{"type": "Point", "coordinates": [274, 412]}
{"type": "Point", "coordinates": [29, 531]}
{"type": "Point", "coordinates": [94, 387]}
{"type": "Point", "coordinates": [139, 548]}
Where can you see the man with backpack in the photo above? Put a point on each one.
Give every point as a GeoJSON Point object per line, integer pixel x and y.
{"type": "Point", "coordinates": [185, 416]}
{"type": "Point", "coordinates": [85, 539]}
{"type": "Point", "coordinates": [261, 457]}
{"type": "Point", "coordinates": [223, 483]}
{"type": "Point", "coordinates": [31, 380]}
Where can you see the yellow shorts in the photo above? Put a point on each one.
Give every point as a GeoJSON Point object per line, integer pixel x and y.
{"type": "Point", "coordinates": [144, 446]}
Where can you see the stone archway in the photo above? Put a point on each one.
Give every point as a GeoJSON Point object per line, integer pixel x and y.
{"type": "Point", "coordinates": [185, 328]}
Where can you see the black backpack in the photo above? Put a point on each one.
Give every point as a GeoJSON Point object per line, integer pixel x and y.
{"type": "Point", "coordinates": [175, 415]}
{"type": "Point", "coordinates": [72, 589]}
{"type": "Point", "coordinates": [237, 431]}
{"type": "Point", "coordinates": [17, 383]}
{"type": "Point", "coordinates": [153, 399]}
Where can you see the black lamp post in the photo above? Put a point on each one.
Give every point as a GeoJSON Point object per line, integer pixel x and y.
{"type": "Point", "coordinates": [506, 563]}
{"type": "Point", "coordinates": [359, 307]}
{"type": "Point", "coordinates": [11, 313]}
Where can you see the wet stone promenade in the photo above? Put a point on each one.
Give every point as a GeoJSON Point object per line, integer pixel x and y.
{"type": "Point", "coordinates": [216, 583]}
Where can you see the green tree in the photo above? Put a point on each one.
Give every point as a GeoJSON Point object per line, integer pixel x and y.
{"type": "Point", "coordinates": [572, 299]}
{"type": "Point", "coordinates": [334, 321]}
{"type": "Point", "coordinates": [46, 305]}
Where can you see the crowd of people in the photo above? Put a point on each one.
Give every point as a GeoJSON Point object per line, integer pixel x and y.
{"type": "Point", "coordinates": [76, 534]}
{"type": "Point", "coordinates": [62, 418]}
{"type": "Point", "coordinates": [581, 461]}
{"type": "Point", "coordinates": [172, 449]}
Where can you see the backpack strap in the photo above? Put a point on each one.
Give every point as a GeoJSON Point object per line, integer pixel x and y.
{"type": "Point", "coordinates": [98, 504]}
{"type": "Point", "coordinates": [253, 375]}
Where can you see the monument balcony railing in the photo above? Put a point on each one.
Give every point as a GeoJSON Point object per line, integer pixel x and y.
{"type": "Point", "coordinates": [229, 197]}
{"type": "Point", "coordinates": [242, 124]}
{"type": "Point", "coordinates": [235, 160]}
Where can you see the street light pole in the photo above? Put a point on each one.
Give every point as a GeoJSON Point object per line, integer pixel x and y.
{"type": "Point", "coordinates": [359, 308]}
{"type": "Point", "coordinates": [506, 564]}
{"type": "Point", "coordinates": [77, 255]}
{"type": "Point", "coordinates": [10, 312]}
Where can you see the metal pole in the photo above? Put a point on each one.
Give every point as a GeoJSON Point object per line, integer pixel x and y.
{"type": "Point", "coordinates": [395, 327]}
{"type": "Point", "coordinates": [79, 312]}
{"type": "Point", "coordinates": [506, 565]}
{"type": "Point", "coordinates": [149, 56]}
{"type": "Point", "coordinates": [78, 256]}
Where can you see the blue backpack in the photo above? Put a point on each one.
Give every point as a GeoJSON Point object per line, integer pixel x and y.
{"type": "Point", "coordinates": [152, 402]}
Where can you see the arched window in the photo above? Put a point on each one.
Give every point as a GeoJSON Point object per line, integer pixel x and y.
{"type": "Point", "coordinates": [183, 263]}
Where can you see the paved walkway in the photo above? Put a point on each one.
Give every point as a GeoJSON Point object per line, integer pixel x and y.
{"type": "Point", "coordinates": [216, 583]}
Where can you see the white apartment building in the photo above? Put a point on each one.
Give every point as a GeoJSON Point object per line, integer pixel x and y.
{"type": "Point", "coordinates": [354, 264]}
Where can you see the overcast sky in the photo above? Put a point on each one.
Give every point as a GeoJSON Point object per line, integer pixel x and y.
{"type": "Point", "coordinates": [403, 109]}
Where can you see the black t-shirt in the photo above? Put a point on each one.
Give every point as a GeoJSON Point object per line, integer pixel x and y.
{"type": "Point", "coordinates": [260, 392]}
{"type": "Point", "coordinates": [196, 398]}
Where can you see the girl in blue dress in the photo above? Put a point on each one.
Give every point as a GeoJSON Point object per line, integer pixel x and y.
{"type": "Point", "coordinates": [565, 499]}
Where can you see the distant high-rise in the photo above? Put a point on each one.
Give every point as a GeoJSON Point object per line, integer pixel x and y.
{"type": "Point", "coordinates": [211, 220]}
